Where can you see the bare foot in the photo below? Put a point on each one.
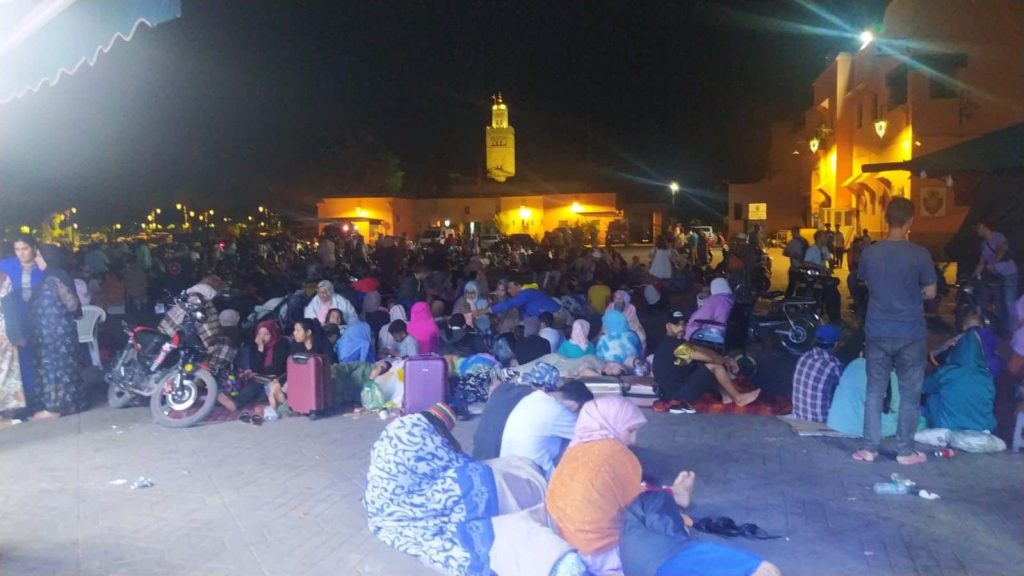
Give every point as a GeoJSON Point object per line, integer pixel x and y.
{"type": "Point", "coordinates": [682, 488]}
{"type": "Point", "coordinates": [747, 397]}
{"type": "Point", "coordinates": [45, 415]}
{"type": "Point", "coordinates": [227, 402]}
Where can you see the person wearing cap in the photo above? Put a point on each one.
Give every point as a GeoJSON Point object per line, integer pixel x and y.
{"type": "Point", "coordinates": [685, 372]}
{"type": "Point", "coordinates": [816, 377]}
{"type": "Point", "coordinates": [544, 422]}
{"type": "Point", "coordinates": [459, 516]}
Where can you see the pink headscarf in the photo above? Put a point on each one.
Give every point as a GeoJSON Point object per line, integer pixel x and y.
{"type": "Point", "coordinates": [422, 327]}
{"type": "Point", "coordinates": [630, 312]}
{"type": "Point", "coordinates": [580, 334]}
{"type": "Point", "coordinates": [606, 418]}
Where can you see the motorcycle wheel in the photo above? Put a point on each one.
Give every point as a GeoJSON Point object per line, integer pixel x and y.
{"type": "Point", "coordinates": [200, 397]}
{"type": "Point", "coordinates": [800, 337]}
{"type": "Point", "coordinates": [117, 397]}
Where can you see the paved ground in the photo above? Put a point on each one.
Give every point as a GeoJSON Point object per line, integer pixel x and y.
{"type": "Point", "coordinates": [283, 499]}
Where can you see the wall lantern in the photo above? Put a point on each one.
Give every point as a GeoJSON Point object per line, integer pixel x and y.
{"type": "Point", "coordinates": [880, 127]}
{"type": "Point", "coordinates": [576, 208]}
{"type": "Point", "coordinates": [524, 212]}
{"type": "Point", "coordinates": [814, 143]}
{"type": "Point", "coordinates": [447, 223]}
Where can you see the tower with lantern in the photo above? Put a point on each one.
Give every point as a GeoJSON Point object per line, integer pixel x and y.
{"type": "Point", "coordinates": [501, 142]}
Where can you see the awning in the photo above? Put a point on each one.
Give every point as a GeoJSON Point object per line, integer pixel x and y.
{"type": "Point", "coordinates": [998, 151]}
{"type": "Point", "coordinates": [43, 40]}
{"type": "Point", "coordinates": [873, 183]}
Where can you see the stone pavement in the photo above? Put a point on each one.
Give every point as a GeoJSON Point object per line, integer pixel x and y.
{"type": "Point", "coordinates": [283, 499]}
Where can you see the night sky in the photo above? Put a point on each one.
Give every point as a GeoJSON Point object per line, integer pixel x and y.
{"type": "Point", "coordinates": [231, 105]}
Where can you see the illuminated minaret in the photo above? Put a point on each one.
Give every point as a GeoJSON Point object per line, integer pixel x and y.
{"type": "Point", "coordinates": [501, 143]}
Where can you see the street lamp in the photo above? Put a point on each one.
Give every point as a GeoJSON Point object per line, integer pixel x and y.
{"type": "Point", "coordinates": [673, 186]}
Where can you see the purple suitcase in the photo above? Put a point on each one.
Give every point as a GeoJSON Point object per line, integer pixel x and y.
{"type": "Point", "coordinates": [426, 382]}
{"type": "Point", "coordinates": [309, 384]}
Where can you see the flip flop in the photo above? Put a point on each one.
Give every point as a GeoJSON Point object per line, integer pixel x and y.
{"type": "Point", "coordinates": [915, 458]}
{"type": "Point", "coordinates": [864, 455]}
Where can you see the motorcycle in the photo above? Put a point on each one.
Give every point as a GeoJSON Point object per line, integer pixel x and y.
{"type": "Point", "coordinates": [166, 369]}
{"type": "Point", "coordinates": [980, 296]}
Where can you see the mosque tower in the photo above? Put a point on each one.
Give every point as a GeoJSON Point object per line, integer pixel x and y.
{"type": "Point", "coordinates": [500, 142]}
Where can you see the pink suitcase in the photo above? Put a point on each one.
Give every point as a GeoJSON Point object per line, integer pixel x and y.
{"type": "Point", "coordinates": [309, 384]}
{"type": "Point", "coordinates": [426, 382]}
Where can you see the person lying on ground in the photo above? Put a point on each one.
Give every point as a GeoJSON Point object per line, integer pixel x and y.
{"type": "Point", "coordinates": [531, 348]}
{"type": "Point", "coordinates": [599, 477]}
{"type": "Point", "coordinates": [588, 365]}
{"type": "Point", "coordinates": [427, 498]}
{"type": "Point", "coordinates": [348, 379]}
{"type": "Point", "coordinates": [540, 427]}
{"type": "Point", "coordinates": [685, 372]}
{"type": "Point", "coordinates": [816, 376]}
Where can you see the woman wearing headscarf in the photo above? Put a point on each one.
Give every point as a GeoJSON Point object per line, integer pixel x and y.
{"type": "Point", "coordinates": [261, 364]}
{"type": "Point", "coordinates": [621, 301]}
{"type": "Point", "coordinates": [579, 343]}
{"type": "Point", "coordinates": [54, 334]}
{"type": "Point", "coordinates": [716, 308]}
{"type": "Point", "coordinates": [324, 300]}
{"type": "Point", "coordinates": [373, 313]}
{"type": "Point", "coordinates": [618, 343]}
{"type": "Point", "coordinates": [423, 328]}
{"type": "Point", "coordinates": [12, 393]}
{"type": "Point", "coordinates": [355, 344]}
{"type": "Point", "coordinates": [597, 480]}
{"type": "Point", "coordinates": [427, 498]}
{"type": "Point", "coordinates": [385, 341]}
{"type": "Point", "coordinates": [470, 302]}
{"type": "Point", "coordinates": [961, 393]}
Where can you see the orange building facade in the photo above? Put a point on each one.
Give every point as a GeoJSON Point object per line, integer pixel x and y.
{"type": "Point", "coordinates": [940, 72]}
{"type": "Point", "coordinates": [515, 211]}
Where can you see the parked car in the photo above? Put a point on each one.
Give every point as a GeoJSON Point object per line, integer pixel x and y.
{"type": "Point", "coordinates": [523, 240]}
{"type": "Point", "coordinates": [488, 240]}
{"type": "Point", "coordinates": [618, 233]}
{"type": "Point", "coordinates": [432, 236]}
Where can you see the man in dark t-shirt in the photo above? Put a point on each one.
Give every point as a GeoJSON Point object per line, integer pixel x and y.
{"type": "Point", "coordinates": [900, 276]}
{"type": "Point", "coordinates": [685, 372]}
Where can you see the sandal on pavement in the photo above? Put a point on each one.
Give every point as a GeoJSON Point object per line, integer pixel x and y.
{"type": "Point", "coordinates": [864, 455]}
{"type": "Point", "coordinates": [915, 458]}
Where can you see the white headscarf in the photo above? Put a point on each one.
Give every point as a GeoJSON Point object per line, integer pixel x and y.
{"type": "Point", "coordinates": [720, 286]}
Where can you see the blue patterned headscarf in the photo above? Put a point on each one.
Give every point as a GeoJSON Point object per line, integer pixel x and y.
{"type": "Point", "coordinates": [426, 499]}
{"type": "Point", "coordinates": [543, 375]}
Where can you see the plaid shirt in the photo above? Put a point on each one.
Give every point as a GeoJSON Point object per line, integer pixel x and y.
{"type": "Point", "coordinates": [814, 382]}
{"type": "Point", "coordinates": [219, 353]}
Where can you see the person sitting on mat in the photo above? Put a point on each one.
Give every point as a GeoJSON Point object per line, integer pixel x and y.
{"type": "Point", "coordinates": [684, 372]}
{"type": "Point", "coordinates": [599, 478]}
{"type": "Point", "coordinates": [816, 377]}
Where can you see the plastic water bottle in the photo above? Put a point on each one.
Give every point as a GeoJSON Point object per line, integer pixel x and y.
{"type": "Point", "coordinates": [891, 488]}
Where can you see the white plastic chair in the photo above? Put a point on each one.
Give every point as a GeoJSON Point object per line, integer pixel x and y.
{"type": "Point", "coordinates": [87, 329]}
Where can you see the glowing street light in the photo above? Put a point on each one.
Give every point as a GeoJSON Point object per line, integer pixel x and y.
{"type": "Point", "coordinates": [673, 186]}
{"type": "Point", "coordinates": [158, 211]}
{"type": "Point", "coordinates": [866, 37]}
{"type": "Point", "coordinates": [177, 206]}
